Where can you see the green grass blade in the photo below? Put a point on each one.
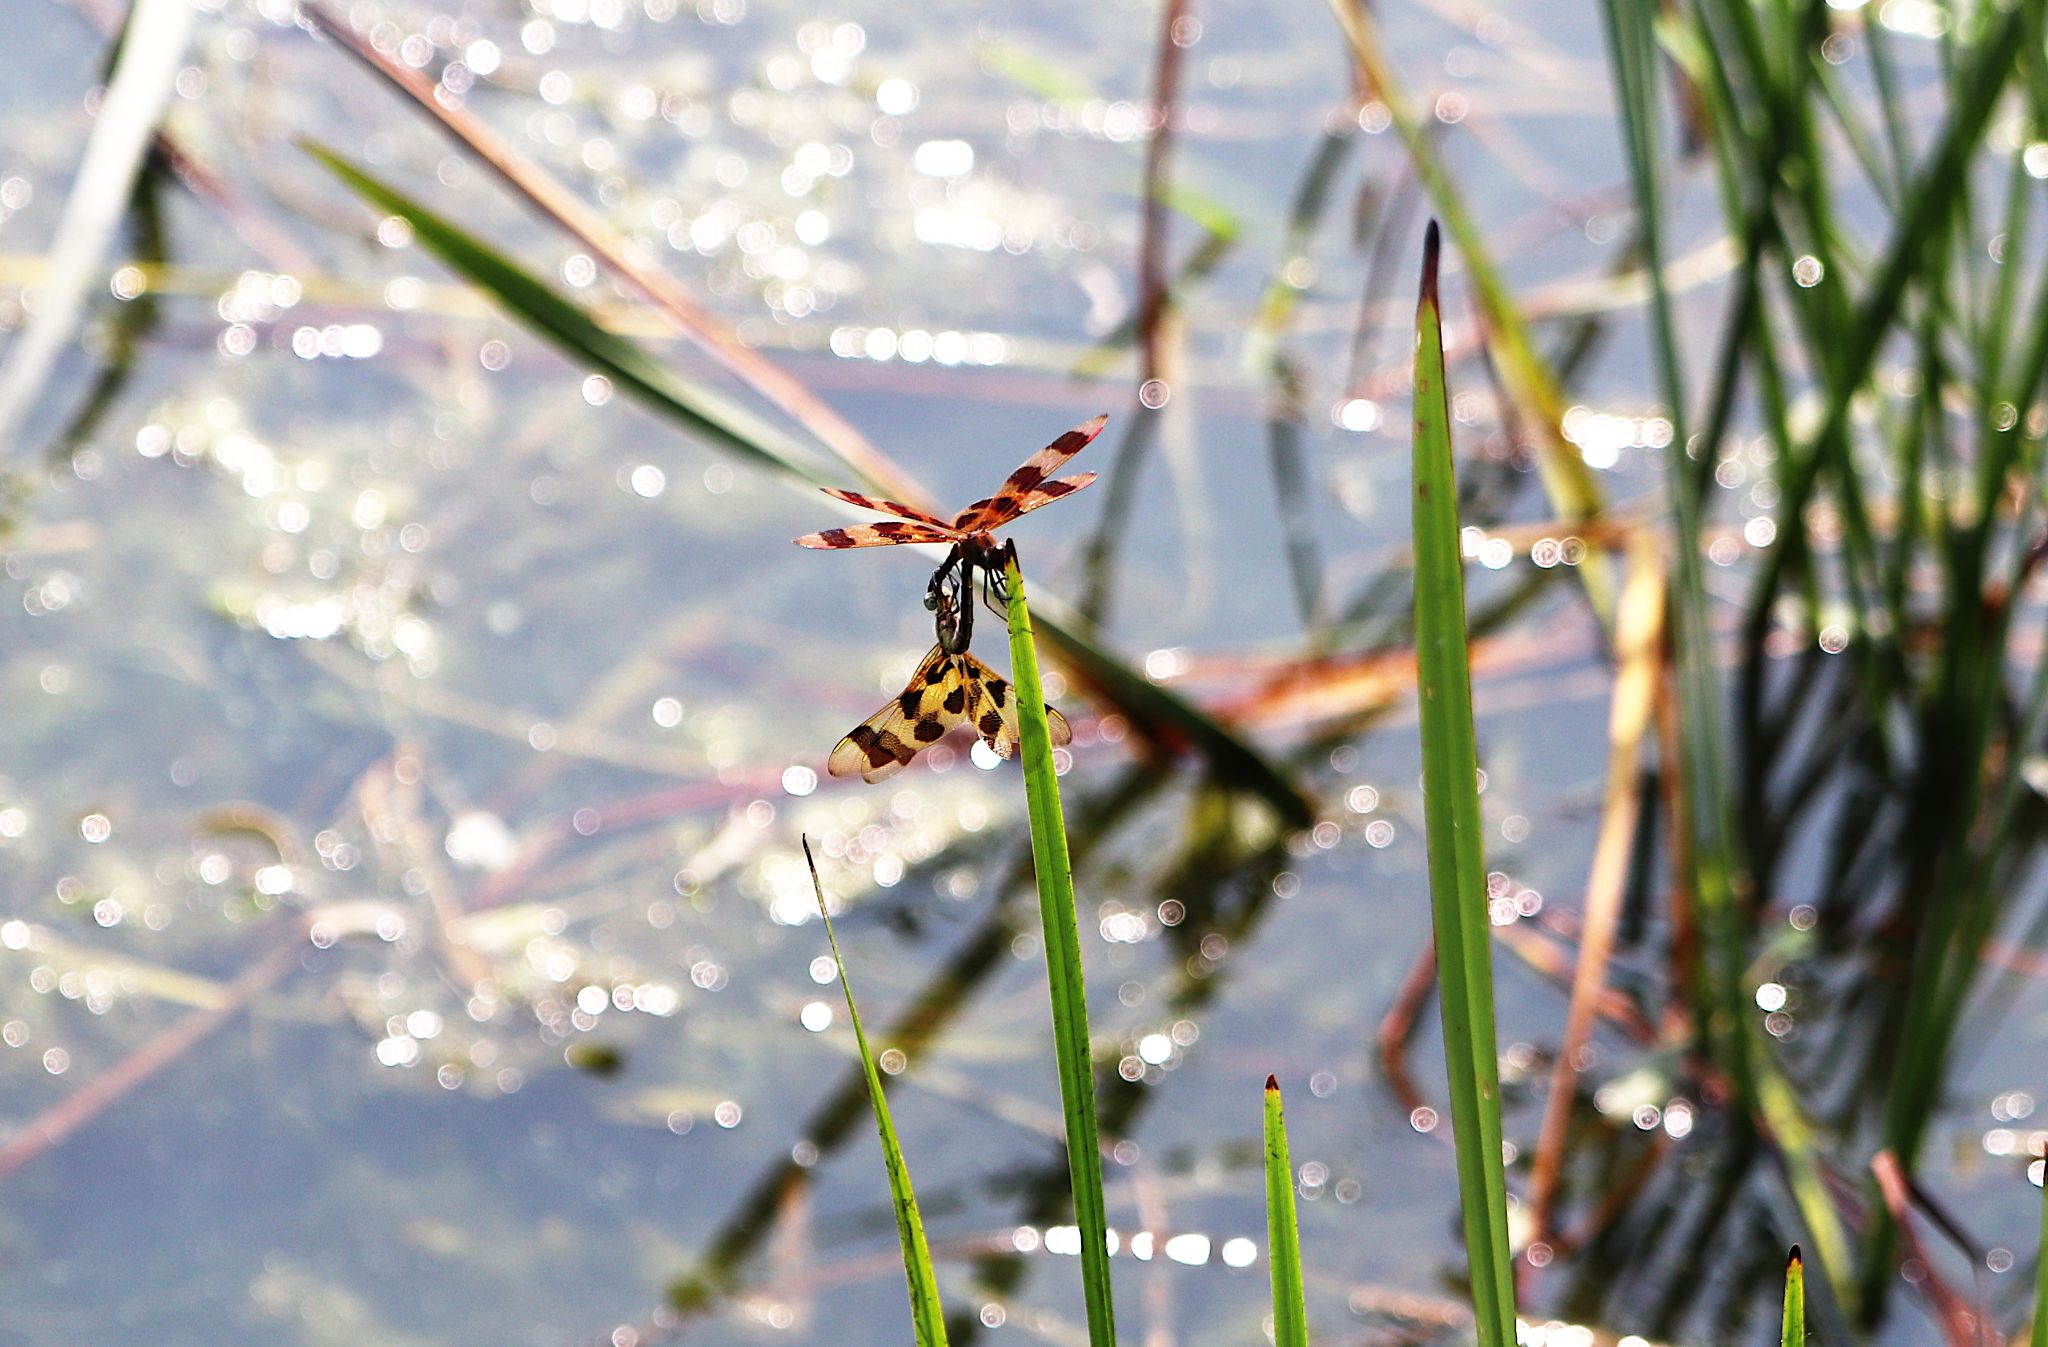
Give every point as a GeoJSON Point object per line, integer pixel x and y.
{"type": "Point", "coordinates": [1457, 870]}
{"type": "Point", "coordinates": [578, 335]}
{"type": "Point", "coordinates": [1062, 965]}
{"type": "Point", "coordinates": [1794, 1332]}
{"type": "Point", "coordinates": [1799, 1153]}
{"type": "Point", "coordinates": [2040, 1337]}
{"type": "Point", "coordinates": [1283, 1235]}
{"type": "Point", "coordinates": [926, 1316]}
{"type": "Point", "coordinates": [1706, 824]}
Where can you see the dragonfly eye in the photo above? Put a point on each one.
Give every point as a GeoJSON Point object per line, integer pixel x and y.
{"type": "Point", "coordinates": [931, 603]}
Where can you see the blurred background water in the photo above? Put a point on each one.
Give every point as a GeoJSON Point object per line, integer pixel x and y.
{"type": "Point", "coordinates": [406, 736]}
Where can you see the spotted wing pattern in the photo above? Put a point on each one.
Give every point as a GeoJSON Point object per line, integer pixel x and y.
{"type": "Point", "coordinates": [1005, 506]}
{"type": "Point", "coordinates": [881, 534]}
{"type": "Point", "coordinates": [896, 508]}
{"type": "Point", "coordinates": [946, 690]}
{"type": "Point", "coordinates": [935, 700]}
{"type": "Point", "coordinates": [1032, 485]}
{"type": "Point", "coordinates": [995, 710]}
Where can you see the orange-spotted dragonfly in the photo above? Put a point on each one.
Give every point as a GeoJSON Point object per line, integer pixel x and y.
{"type": "Point", "coordinates": [951, 686]}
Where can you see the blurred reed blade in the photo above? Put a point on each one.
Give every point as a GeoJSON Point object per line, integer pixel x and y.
{"type": "Point", "coordinates": [1284, 288]}
{"type": "Point", "coordinates": [1201, 262]}
{"type": "Point", "coordinates": [1166, 717]}
{"type": "Point", "coordinates": [1284, 421]}
{"type": "Point", "coordinates": [926, 1315]}
{"type": "Point", "coordinates": [1265, 358]}
{"type": "Point", "coordinates": [1053, 81]}
{"type": "Point", "coordinates": [1283, 1235]}
{"type": "Point", "coordinates": [578, 335]}
{"type": "Point", "coordinates": [1457, 868]}
{"type": "Point", "coordinates": [152, 49]}
{"type": "Point", "coordinates": [528, 178]}
{"type": "Point", "coordinates": [1573, 491]}
{"type": "Point", "coordinates": [1793, 1332]}
{"type": "Point", "coordinates": [1936, 193]}
{"type": "Point", "coordinates": [1705, 824]}
{"type": "Point", "coordinates": [1960, 1319]}
{"type": "Point", "coordinates": [1798, 1147]}
{"type": "Point", "coordinates": [157, 982]}
{"type": "Point", "coordinates": [1062, 965]}
{"type": "Point", "coordinates": [1639, 643]}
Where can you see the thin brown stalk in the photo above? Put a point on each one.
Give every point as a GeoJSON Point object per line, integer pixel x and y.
{"type": "Point", "coordinates": [567, 210]}
{"type": "Point", "coordinates": [1397, 1026]}
{"type": "Point", "coordinates": [1152, 282]}
{"type": "Point", "coordinates": [1961, 1325]}
{"type": "Point", "coordinates": [1153, 329]}
{"type": "Point", "coordinates": [393, 790]}
{"type": "Point", "coordinates": [1682, 950]}
{"type": "Point", "coordinates": [1639, 634]}
{"type": "Point", "coordinates": [1617, 1198]}
{"type": "Point", "coordinates": [1543, 954]}
{"type": "Point", "coordinates": [55, 1124]}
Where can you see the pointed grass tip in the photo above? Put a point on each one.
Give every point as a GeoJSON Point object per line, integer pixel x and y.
{"type": "Point", "coordinates": [1273, 1084]}
{"type": "Point", "coordinates": [1432, 246]}
{"type": "Point", "coordinates": [1792, 1260]}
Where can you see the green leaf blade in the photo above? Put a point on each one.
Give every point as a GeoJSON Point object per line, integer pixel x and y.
{"type": "Point", "coordinates": [1062, 965]}
{"type": "Point", "coordinates": [1457, 870]}
{"type": "Point", "coordinates": [1793, 1332]}
{"type": "Point", "coordinates": [578, 335]}
{"type": "Point", "coordinates": [927, 1316]}
{"type": "Point", "coordinates": [1283, 1233]}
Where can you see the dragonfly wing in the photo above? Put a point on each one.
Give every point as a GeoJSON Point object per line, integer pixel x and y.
{"type": "Point", "coordinates": [1031, 485]}
{"type": "Point", "coordinates": [883, 534]}
{"type": "Point", "coordinates": [994, 708]}
{"type": "Point", "coordinates": [896, 508]}
{"type": "Point", "coordinates": [1003, 507]}
{"type": "Point", "coordinates": [935, 700]}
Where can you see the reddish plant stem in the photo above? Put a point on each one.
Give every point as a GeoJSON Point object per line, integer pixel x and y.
{"type": "Point", "coordinates": [1152, 290]}
{"type": "Point", "coordinates": [531, 181]}
{"type": "Point", "coordinates": [55, 1124]}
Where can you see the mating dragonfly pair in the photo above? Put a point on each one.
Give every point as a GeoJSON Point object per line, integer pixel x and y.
{"type": "Point", "coordinates": [951, 687]}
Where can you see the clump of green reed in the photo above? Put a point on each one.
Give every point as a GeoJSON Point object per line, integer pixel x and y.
{"type": "Point", "coordinates": [1908, 476]}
